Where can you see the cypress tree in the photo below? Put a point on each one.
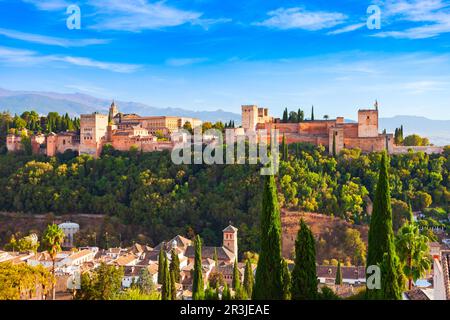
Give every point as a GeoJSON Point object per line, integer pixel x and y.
{"type": "Point", "coordinates": [300, 115]}
{"type": "Point", "coordinates": [216, 259]}
{"type": "Point", "coordinates": [236, 277]}
{"type": "Point", "coordinates": [312, 113]}
{"type": "Point", "coordinates": [165, 287]}
{"type": "Point", "coordinates": [304, 277]}
{"type": "Point", "coordinates": [334, 145]}
{"type": "Point", "coordinates": [175, 265]}
{"type": "Point", "coordinates": [226, 295]}
{"type": "Point", "coordinates": [285, 116]}
{"type": "Point", "coordinates": [286, 281]}
{"type": "Point", "coordinates": [381, 235]}
{"type": "Point", "coordinates": [268, 279]}
{"type": "Point", "coordinates": [248, 278]}
{"type": "Point", "coordinates": [173, 287]}
{"type": "Point", "coordinates": [198, 287]}
{"type": "Point", "coordinates": [161, 265]}
{"type": "Point", "coordinates": [339, 274]}
{"type": "Point", "coordinates": [391, 276]}
{"type": "Point", "coordinates": [283, 143]}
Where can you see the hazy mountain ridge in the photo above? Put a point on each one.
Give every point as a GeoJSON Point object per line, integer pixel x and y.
{"type": "Point", "coordinates": [77, 103]}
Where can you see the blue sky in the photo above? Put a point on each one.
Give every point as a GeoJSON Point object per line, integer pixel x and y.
{"type": "Point", "coordinates": [209, 54]}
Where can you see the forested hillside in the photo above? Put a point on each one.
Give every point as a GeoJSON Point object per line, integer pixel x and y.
{"type": "Point", "coordinates": [160, 199]}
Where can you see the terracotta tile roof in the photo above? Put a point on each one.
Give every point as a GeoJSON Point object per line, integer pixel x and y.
{"type": "Point", "coordinates": [208, 252]}
{"type": "Point", "coordinates": [80, 254]}
{"type": "Point", "coordinates": [125, 260]}
{"type": "Point", "coordinates": [347, 272]}
{"type": "Point", "coordinates": [230, 228]}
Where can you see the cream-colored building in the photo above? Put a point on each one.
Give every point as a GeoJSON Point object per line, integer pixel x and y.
{"type": "Point", "coordinates": [93, 131]}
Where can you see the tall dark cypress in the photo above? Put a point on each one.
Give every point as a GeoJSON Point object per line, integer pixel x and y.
{"type": "Point", "coordinates": [198, 286]}
{"type": "Point", "coordinates": [173, 286]}
{"type": "Point", "coordinates": [161, 265]}
{"type": "Point", "coordinates": [312, 113]}
{"type": "Point", "coordinates": [334, 145]}
{"type": "Point", "coordinates": [236, 277]}
{"type": "Point", "coordinates": [166, 285]}
{"type": "Point", "coordinates": [285, 116]}
{"type": "Point", "coordinates": [268, 278]}
{"type": "Point", "coordinates": [304, 277]}
{"type": "Point", "coordinates": [381, 235]}
{"type": "Point", "coordinates": [284, 149]}
{"type": "Point", "coordinates": [248, 278]}
{"type": "Point", "coordinates": [338, 280]}
{"type": "Point", "coordinates": [286, 281]}
{"type": "Point", "coordinates": [174, 266]}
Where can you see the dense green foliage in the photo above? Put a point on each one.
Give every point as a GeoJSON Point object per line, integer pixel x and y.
{"type": "Point", "coordinates": [248, 278]}
{"type": "Point", "coordinates": [22, 281]}
{"type": "Point", "coordinates": [268, 278]}
{"type": "Point", "coordinates": [103, 283]}
{"type": "Point", "coordinates": [31, 121]}
{"type": "Point", "coordinates": [304, 278]}
{"type": "Point", "coordinates": [155, 199]}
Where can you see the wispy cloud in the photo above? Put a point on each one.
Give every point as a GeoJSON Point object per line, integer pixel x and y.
{"type": "Point", "coordinates": [53, 41]}
{"type": "Point", "coordinates": [432, 17]}
{"type": "Point", "coordinates": [133, 15]}
{"type": "Point", "coordinates": [179, 62]}
{"type": "Point", "coordinates": [138, 15]}
{"type": "Point", "coordinates": [12, 56]}
{"type": "Point", "coordinates": [299, 18]}
{"type": "Point", "coordinates": [49, 5]}
{"type": "Point", "coordinates": [349, 28]}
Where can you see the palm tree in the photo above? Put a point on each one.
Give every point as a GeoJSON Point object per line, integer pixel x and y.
{"type": "Point", "coordinates": [412, 249]}
{"type": "Point", "coordinates": [52, 239]}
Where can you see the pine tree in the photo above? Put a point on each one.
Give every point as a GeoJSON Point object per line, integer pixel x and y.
{"type": "Point", "coordinates": [338, 274]}
{"type": "Point", "coordinates": [381, 235]}
{"type": "Point", "coordinates": [312, 113]}
{"type": "Point", "coordinates": [248, 278]}
{"type": "Point", "coordinates": [174, 266]}
{"type": "Point", "coordinates": [286, 281]}
{"type": "Point", "coordinates": [268, 279]}
{"type": "Point", "coordinates": [236, 277]}
{"type": "Point", "coordinates": [198, 286]}
{"type": "Point", "coordinates": [166, 283]}
{"type": "Point", "coordinates": [304, 277]}
{"type": "Point", "coordinates": [161, 265]}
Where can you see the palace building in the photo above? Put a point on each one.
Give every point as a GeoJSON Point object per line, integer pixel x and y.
{"type": "Point", "coordinates": [363, 134]}
{"type": "Point", "coordinates": [121, 131]}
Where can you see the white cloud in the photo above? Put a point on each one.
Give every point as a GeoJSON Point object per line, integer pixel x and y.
{"type": "Point", "coordinates": [349, 28]}
{"type": "Point", "coordinates": [299, 18]}
{"type": "Point", "coordinates": [18, 57]}
{"type": "Point", "coordinates": [179, 62]}
{"type": "Point", "coordinates": [138, 15]}
{"type": "Point", "coordinates": [48, 5]}
{"type": "Point", "coordinates": [53, 41]}
{"type": "Point", "coordinates": [432, 17]}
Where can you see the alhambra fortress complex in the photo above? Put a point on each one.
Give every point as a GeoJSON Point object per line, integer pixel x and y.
{"type": "Point", "coordinates": [124, 131]}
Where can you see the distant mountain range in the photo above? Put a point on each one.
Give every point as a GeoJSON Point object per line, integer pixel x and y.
{"type": "Point", "coordinates": [78, 103]}
{"type": "Point", "coordinates": [438, 131]}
